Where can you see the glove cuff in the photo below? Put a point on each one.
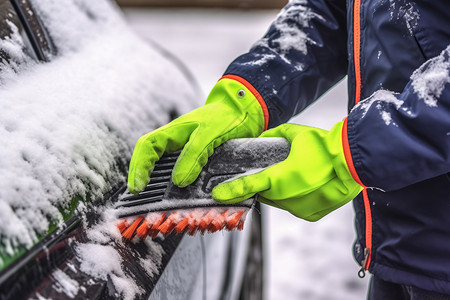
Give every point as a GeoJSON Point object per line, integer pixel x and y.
{"type": "Point", "coordinates": [232, 86]}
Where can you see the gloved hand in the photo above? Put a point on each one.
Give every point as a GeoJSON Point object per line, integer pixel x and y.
{"type": "Point", "coordinates": [231, 111]}
{"type": "Point", "coordinates": [313, 181]}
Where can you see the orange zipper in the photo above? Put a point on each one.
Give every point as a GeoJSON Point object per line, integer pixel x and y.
{"type": "Point", "coordinates": [368, 249]}
{"type": "Point", "coordinates": [356, 55]}
{"type": "Point", "coordinates": [356, 48]}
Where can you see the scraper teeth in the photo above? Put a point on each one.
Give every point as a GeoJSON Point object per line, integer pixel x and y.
{"type": "Point", "coordinates": [184, 221]}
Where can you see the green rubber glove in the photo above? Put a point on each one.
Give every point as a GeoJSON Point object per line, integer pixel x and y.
{"type": "Point", "coordinates": [313, 181]}
{"type": "Point", "coordinates": [231, 111]}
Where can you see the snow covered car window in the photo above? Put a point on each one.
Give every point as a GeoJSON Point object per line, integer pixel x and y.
{"type": "Point", "coordinates": [15, 48]}
{"type": "Point", "coordinates": [37, 34]}
{"type": "Point", "coordinates": [68, 127]}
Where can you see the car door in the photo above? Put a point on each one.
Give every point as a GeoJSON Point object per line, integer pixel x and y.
{"type": "Point", "coordinates": [81, 89]}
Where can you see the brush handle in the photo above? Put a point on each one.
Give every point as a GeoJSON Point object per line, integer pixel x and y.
{"type": "Point", "coordinates": [232, 159]}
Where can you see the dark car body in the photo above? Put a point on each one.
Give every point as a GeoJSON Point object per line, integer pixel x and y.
{"type": "Point", "coordinates": [77, 83]}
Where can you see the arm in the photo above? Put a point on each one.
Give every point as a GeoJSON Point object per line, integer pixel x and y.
{"type": "Point", "coordinates": [396, 140]}
{"type": "Point", "coordinates": [388, 141]}
{"type": "Point", "coordinates": [302, 55]}
{"type": "Point", "coordinates": [297, 51]}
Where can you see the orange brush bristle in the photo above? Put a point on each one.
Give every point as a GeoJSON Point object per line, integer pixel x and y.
{"type": "Point", "coordinates": [130, 231]}
{"type": "Point", "coordinates": [182, 225]}
{"type": "Point", "coordinates": [217, 223]}
{"type": "Point", "coordinates": [158, 221]}
{"type": "Point", "coordinates": [142, 230]}
{"type": "Point", "coordinates": [122, 226]}
{"type": "Point", "coordinates": [233, 220]}
{"type": "Point", "coordinates": [205, 221]}
{"type": "Point", "coordinates": [184, 221]}
{"type": "Point", "coordinates": [240, 225]}
{"type": "Point", "coordinates": [169, 224]}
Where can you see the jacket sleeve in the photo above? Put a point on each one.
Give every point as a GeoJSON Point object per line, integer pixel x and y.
{"type": "Point", "coordinates": [301, 56]}
{"type": "Point", "coordinates": [395, 140]}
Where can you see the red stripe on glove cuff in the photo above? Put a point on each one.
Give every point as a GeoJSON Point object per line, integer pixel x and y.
{"type": "Point", "coordinates": [255, 93]}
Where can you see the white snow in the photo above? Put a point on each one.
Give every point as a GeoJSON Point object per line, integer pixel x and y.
{"type": "Point", "coordinates": [261, 59]}
{"type": "Point", "coordinates": [103, 261]}
{"type": "Point", "coordinates": [404, 11]}
{"type": "Point", "coordinates": [63, 283]}
{"type": "Point", "coordinates": [99, 260]}
{"type": "Point", "coordinates": [13, 46]}
{"type": "Point", "coordinates": [40, 297]}
{"type": "Point", "coordinates": [99, 256]}
{"type": "Point", "coordinates": [303, 260]}
{"type": "Point", "coordinates": [65, 125]}
{"type": "Point", "coordinates": [380, 98]}
{"type": "Point", "coordinates": [293, 37]}
{"type": "Point", "coordinates": [431, 78]}
{"type": "Point", "coordinates": [290, 22]}
{"type": "Point", "coordinates": [411, 16]}
{"type": "Point", "coordinates": [386, 116]}
{"type": "Point", "coordinates": [428, 82]}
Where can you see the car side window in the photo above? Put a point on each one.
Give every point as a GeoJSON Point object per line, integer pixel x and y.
{"type": "Point", "coordinates": [37, 33]}
{"type": "Point", "coordinates": [15, 48]}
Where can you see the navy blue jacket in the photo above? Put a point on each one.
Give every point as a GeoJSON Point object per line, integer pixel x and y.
{"type": "Point", "coordinates": [396, 55]}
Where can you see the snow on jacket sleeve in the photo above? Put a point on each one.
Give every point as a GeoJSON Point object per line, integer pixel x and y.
{"type": "Point", "coordinates": [397, 140]}
{"type": "Point", "coordinates": [301, 56]}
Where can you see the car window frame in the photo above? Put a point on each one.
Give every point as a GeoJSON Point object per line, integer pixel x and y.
{"type": "Point", "coordinates": [36, 32]}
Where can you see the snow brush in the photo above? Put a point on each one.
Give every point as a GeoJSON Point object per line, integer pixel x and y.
{"type": "Point", "coordinates": [164, 207]}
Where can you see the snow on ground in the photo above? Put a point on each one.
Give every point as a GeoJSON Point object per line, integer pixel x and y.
{"type": "Point", "coordinates": [304, 260]}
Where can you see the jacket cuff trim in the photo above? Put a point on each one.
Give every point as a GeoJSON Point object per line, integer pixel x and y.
{"type": "Point", "coordinates": [255, 93]}
{"type": "Point", "coordinates": [348, 155]}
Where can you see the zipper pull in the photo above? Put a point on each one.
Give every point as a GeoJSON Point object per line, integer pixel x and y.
{"type": "Point", "coordinates": [362, 271]}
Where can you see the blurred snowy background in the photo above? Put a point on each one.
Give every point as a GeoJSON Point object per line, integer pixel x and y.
{"type": "Point", "coordinates": [303, 260]}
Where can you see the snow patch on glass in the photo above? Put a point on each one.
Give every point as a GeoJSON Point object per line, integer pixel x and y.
{"type": "Point", "coordinates": [429, 80]}
{"type": "Point", "coordinates": [103, 261]}
{"type": "Point", "coordinates": [70, 30]}
{"type": "Point", "coordinates": [13, 58]}
{"type": "Point", "coordinates": [100, 258]}
{"type": "Point", "coordinates": [65, 284]}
